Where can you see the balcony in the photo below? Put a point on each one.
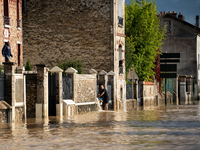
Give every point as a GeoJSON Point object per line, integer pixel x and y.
{"type": "Point", "coordinates": [6, 20]}
{"type": "Point", "coordinates": [18, 23]}
{"type": "Point", "coordinates": [120, 21]}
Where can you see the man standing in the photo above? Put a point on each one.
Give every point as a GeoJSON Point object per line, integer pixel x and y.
{"type": "Point", "coordinates": [104, 94]}
{"type": "Point", "coordinates": [6, 51]}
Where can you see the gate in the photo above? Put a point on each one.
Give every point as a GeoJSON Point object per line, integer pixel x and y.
{"type": "Point", "coordinates": [169, 87]}
{"type": "Point", "coordinates": [1, 87]}
{"type": "Point", "coordinates": [129, 94]}
{"type": "Point", "coordinates": [52, 94]}
{"type": "Point", "coordinates": [67, 86]}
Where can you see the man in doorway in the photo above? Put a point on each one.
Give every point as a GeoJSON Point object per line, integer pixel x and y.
{"type": "Point", "coordinates": [6, 51]}
{"type": "Point", "coordinates": [104, 94]}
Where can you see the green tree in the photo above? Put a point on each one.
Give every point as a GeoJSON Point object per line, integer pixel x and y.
{"type": "Point", "coordinates": [144, 37]}
{"type": "Point", "coordinates": [28, 66]}
{"type": "Point", "coordinates": [76, 64]}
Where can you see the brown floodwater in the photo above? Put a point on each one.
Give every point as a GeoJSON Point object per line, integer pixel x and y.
{"type": "Point", "coordinates": [174, 127]}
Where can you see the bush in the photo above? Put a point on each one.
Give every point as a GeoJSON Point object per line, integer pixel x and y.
{"type": "Point", "coordinates": [76, 64]}
{"type": "Point", "coordinates": [28, 66]}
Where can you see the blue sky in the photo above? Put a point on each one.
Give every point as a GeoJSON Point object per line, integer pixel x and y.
{"type": "Point", "coordinates": [188, 8]}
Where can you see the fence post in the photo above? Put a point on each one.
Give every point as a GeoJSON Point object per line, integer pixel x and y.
{"type": "Point", "coordinates": [9, 93]}
{"type": "Point", "coordinates": [190, 87]}
{"type": "Point", "coordinates": [182, 89]}
{"type": "Point", "coordinates": [59, 90]}
{"type": "Point", "coordinates": [111, 79]}
{"type": "Point", "coordinates": [42, 92]}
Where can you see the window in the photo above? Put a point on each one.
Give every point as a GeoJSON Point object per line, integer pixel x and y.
{"type": "Point", "coordinates": [120, 60]}
{"type": "Point", "coordinates": [18, 53]}
{"type": "Point", "coordinates": [18, 21]}
{"type": "Point", "coordinates": [120, 18]}
{"type": "Point", "coordinates": [167, 24]}
{"type": "Point", "coordinates": [6, 13]}
{"type": "Point", "coordinates": [121, 94]}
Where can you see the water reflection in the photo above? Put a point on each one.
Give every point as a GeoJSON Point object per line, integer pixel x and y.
{"type": "Point", "coordinates": [175, 127]}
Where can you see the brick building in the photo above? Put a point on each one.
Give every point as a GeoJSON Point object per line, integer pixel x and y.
{"type": "Point", "coordinates": [11, 28]}
{"type": "Point", "coordinates": [87, 30]}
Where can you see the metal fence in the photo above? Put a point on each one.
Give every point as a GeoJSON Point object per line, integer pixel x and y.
{"type": "Point", "coordinates": [67, 87]}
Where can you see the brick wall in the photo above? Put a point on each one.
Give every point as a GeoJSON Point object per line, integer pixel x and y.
{"type": "Point", "coordinates": [58, 30]}
{"type": "Point", "coordinates": [31, 94]}
{"type": "Point", "coordinates": [15, 34]}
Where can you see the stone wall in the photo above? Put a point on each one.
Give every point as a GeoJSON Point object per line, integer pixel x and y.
{"type": "Point", "coordinates": [31, 94]}
{"type": "Point", "coordinates": [80, 109]}
{"type": "Point", "coordinates": [14, 33]}
{"type": "Point", "coordinates": [86, 88]}
{"type": "Point", "coordinates": [19, 114]}
{"type": "Point", "coordinates": [3, 115]}
{"type": "Point", "coordinates": [58, 30]}
{"type": "Point", "coordinates": [131, 104]}
{"type": "Point", "coordinates": [4, 109]}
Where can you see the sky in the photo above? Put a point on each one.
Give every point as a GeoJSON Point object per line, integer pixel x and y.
{"type": "Point", "coordinates": [188, 8]}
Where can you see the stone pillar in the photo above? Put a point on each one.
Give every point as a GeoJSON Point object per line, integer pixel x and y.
{"type": "Point", "coordinates": [42, 92]}
{"type": "Point", "coordinates": [59, 90]}
{"type": "Point", "coordinates": [190, 89]}
{"type": "Point", "coordinates": [9, 94]}
{"type": "Point", "coordinates": [94, 73]}
{"type": "Point", "coordinates": [142, 92]}
{"type": "Point", "coordinates": [176, 91]}
{"type": "Point", "coordinates": [111, 79]}
{"type": "Point", "coordinates": [73, 72]}
{"type": "Point", "coordinates": [182, 89]}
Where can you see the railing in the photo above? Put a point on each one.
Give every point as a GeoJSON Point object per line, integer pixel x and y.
{"type": "Point", "coordinates": [18, 23]}
{"type": "Point", "coordinates": [120, 20]}
{"type": "Point", "coordinates": [6, 20]}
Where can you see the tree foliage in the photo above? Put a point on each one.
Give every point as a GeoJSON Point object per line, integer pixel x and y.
{"type": "Point", "coordinates": [143, 37]}
{"type": "Point", "coordinates": [76, 64]}
{"type": "Point", "coordinates": [28, 66]}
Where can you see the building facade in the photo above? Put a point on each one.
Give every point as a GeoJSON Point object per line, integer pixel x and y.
{"type": "Point", "coordinates": [87, 30]}
{"type": "Point", "coordinates": [183, 37]}
{"type": "Point", "coordinates": [11, 29]}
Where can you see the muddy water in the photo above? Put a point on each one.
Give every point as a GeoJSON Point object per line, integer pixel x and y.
{"type": "Point", "coordinates": [176, 127]}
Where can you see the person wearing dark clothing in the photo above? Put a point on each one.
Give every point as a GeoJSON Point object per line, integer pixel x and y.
{"type": "Point", "coordinates": [6, 51]}
{"type": "Point", "coordinates": [104, 94]}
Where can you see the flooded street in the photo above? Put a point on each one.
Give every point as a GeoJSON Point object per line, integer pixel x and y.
{"type": "Point", "coordinates": [176, 127]}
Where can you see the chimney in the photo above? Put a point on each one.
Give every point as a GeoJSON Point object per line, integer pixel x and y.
{"type": "Point", "coordinates": [197, 21]}
{"type": "Point", "coordinates": [181, 17]}
{"type": "Point", "coordinates": [174, 14]}
{"type": "Point", "coordinates": [164, 12]}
